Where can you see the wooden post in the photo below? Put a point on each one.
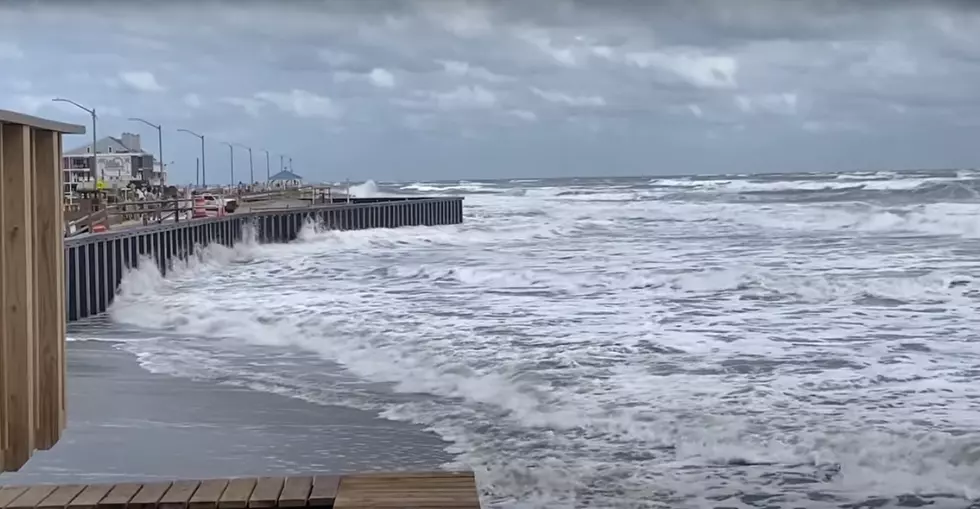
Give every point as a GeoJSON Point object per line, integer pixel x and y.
{"type": "Point", "coordinates": [18, 292]}
{"type": "Point", "coordinates": [32, 301]}
{"type": "Point", "coordinates": [49, 287]}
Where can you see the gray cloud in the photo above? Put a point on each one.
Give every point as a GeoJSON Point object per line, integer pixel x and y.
{"type": "Point", "coordinates": [468, 88]}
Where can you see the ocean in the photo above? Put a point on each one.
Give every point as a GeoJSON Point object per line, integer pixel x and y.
{"type": "Point", "coordinates": [737, 341]}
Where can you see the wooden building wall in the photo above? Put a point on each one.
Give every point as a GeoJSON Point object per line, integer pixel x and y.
{"type": "Point", "coordinates": [32, 279]}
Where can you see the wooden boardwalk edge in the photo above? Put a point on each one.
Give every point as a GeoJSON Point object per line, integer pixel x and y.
{"type": "Point", "coordinates": [377, 490]}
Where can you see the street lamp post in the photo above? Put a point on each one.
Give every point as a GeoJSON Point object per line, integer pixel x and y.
{"type": "Point", "coordinates": [231, 153]}
{"type": "Point", "coordinates": [251, 167]}
{"type": "Point", "coordinates": [268, 175]}
{"type": "Point", "coordinates": [95, 143]}
{"type": "Point", "coordinates": [159, 143]}
{"type": "Point", "coordinates": [204, 171]}
{"type": "Point", "coordinates": [290, 164]}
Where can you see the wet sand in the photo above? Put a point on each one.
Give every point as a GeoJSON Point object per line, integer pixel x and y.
{"type": "Point", "coordinates": [125, 423]}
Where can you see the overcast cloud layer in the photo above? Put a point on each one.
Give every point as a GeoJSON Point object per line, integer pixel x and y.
{"type": "Point", "coordinates": [465, 89]}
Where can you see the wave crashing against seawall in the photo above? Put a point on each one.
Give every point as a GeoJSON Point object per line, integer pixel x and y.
{"type": "Point", "coordinates": [615, 342]}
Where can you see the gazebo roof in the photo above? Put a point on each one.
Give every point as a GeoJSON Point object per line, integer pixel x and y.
{"type": "Point", "coordinates": [286, 175]}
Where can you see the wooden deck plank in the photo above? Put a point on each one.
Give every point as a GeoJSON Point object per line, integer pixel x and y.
{"type": "Point", "coordinates": [296, 491]}
{"type": "Point", "coordinates": [32, 497]}
{"type": "Point", "coordinates": [237, 493]}
{"type": "Point", "coordinates": [266, 493]}
{"type": "Point", "coordinates": [178, 495]}
{"type": "Point", "coordinates": [9, 493]}
{"type": "Point", "coordinates": [149, 495]}
{"type": "Point", "coordinates": [324, 490]}
{"type": "Point", "coordinates": [61, 497]}
{"type": "Point", "coordinates": [208, 494]}
{"type": "Point", "coordinates": [119, 496]}
{"type": "Point", "coordinates": [416, 490]}
{"type": "Point", "coordinates": [90, 497]}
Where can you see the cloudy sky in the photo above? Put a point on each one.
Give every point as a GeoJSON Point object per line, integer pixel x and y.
{"type": "Point", "coordinates": [410, 90]}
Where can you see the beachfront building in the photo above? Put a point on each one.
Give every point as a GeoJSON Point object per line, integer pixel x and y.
{"type": "Point", "coordinates": [285, 179]}
{"type": "Point", "coordinates": [121, 160]}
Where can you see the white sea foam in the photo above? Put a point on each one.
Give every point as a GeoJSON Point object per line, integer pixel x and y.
{"type": "Point", "coordinates": [604, 353]}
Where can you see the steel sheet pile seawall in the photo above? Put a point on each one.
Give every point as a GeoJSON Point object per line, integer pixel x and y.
{"type": "Point", "coordinates": [95, 263]}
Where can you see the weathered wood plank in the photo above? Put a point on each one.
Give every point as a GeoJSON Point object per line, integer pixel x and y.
{"type": "Point", "coordinates": [90, 497]}
{"type": "Point", "coordinates": [178, 495]}
{"type": "Point", "coordinates": [9, 493]}
{"type": "Point", "coordinates": [266, 493]}
{"type": "Point", "coordinates": [32, 497]}
{"type": "Point", "coordinates": [149, 495]}
{"type": "Point", "coordinates": [18, 295]}
{"type": "Point", "coordinates": [416, 490]}
{"type": "Point", "coordinates": [237, 493]}
{"type": "Point", "coordinates": [3, 336]}
{"type": "Point", "coordinates": [61, 496]}
{"type": "Point", "coordinates": [208, 494]}
{"type": "Point", "coordinates": [324, 490]}
{"type": "Point", "coordinates": [119, 496]}
{"type": "Point", "coordinates": [49, 300]}
{"type": "Point", "coordinates": [296, 491]}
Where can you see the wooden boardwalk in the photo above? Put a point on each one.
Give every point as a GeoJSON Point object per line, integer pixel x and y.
{"type": "Point", "coordinates": [383, 490]}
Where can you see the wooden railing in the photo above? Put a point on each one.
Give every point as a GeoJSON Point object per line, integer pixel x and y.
{"type": "Point", "coordinates": [32, 314]}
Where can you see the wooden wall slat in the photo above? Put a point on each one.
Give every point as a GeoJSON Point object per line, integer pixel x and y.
{"type": "Point", "coordinates": [18, 290]}
{"type": "Point", "coordinates": [61, 497]}
{"type": "Point", "coordinates": [49, 300]}
{"type": "Point", "coordinates": [3, 341]}
{"type": "Point", "coordinates": [62, 324]}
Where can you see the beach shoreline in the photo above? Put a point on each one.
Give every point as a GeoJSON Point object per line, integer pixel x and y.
{"type": "Point", "coordinates": [128, 424]}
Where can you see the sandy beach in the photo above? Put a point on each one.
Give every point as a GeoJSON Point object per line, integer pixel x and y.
{"type": "Point", "coordinates": [125, 423]}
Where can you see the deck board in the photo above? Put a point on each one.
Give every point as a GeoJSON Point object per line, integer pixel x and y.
{"type": "Point", "coordinates": [90, 497]}
{"type": "Point", "coordinates": [119, 496]}
{"type": "Point", "coordinates": [296, 491]}
{"type": "Point", "coordinates": [208, 494]}
{"type": "Point", "coordinates": [61, 497]}
{"type": "Point", "coordinates": [178, 495]}
{"type": "Point", "coordinates": [450, 490]}
{"type": "Point", "coordinates": [237, 494]}
{"type": "Point", "coordinates": [149, 495]}
{"type": "Point", "coordinates": [324, 490]}
{"type": "Point", "coordinates": [32, 497]}
{"type": "Point", "coordinates": [266, 493]}
{"type": "Point", "coordinates": [373, 490]}
{"type": "Point", "coordinates": [9, 493]}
